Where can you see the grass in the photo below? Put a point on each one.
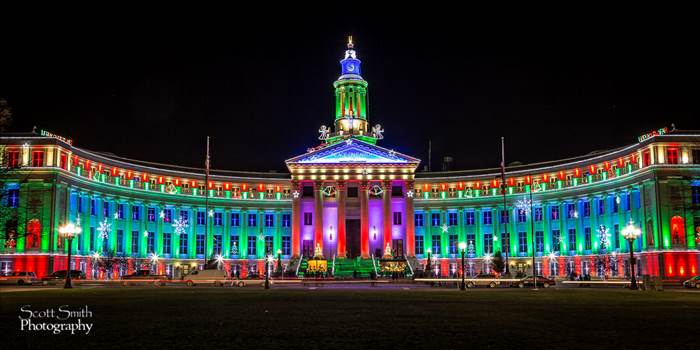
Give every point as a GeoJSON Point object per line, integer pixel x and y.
{"type": "Point", "coordinates": [363, 318]}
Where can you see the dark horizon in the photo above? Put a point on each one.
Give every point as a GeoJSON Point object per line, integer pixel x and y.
{"type": "Point", "coordinates": [154, 92]}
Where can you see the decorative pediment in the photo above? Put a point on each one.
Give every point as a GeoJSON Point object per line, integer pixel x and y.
{"type": "Point", "coordinates": [353, 151]}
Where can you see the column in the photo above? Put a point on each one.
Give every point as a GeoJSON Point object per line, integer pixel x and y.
{"type": "Point", "coordinates": [364, 219]}
{"type": "Point", "coordinates": [296, 219]}
{"type": "Point", "coordinates": [318, 215]}
{"type": "Point", "coordinates": [387, 219]}
{"type": "Point", "coordinates": [410, 221]}
{"type": "Point", "coordinates": [342, 192]}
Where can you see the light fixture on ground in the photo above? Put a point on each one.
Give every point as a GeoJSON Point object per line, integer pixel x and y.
{"type": "Point", "coordinates": [462, 248]}
{"type": "Point", "coordinates": [631, 233]}
{"type": "Point", "coordinates": [69, 231]}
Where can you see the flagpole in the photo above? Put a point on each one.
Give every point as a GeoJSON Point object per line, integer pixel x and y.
{"type": "Point", "coordinates": [206, 203]}
{"type": "Point", "coordinates": [505, 209]}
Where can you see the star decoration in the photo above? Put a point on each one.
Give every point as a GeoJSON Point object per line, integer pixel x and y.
{"type": "Point", "coordinates": [295, 194]}
{"type": "Point", "coordinates": [409, 194]}
{"type": "Point", "coordinates": [116, 215]}
{"type": "Point", "coordinates": [392, 152]}
{"type": "Point", "coordinates": [211, 213]}
{"type": "Point", "coordinates": [145, 233]}
{"type": "Point", "coordinates": [162, 214]}
{"type": "Point", "coordinates": [348, 142]}
{"type": "Point", "coordinates": [444, 228]}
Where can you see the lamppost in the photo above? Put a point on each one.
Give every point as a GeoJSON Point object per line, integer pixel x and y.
{"type": "Point", "coordinates": [268, 261]}
{"type": "Point", "coordinates": [631, 232]}
{"type": "Point", "coordinates": [462, 247]}
{"type": "Point", "coordinates": [69, 231]}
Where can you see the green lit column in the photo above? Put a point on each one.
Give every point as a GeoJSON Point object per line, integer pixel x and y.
{"type": "Point", "coordinates": [478, 234]}
{"type": "Point", "coordinates": [278, 232]}
{"type": "Point", "coordinates": [226, 235]}
{"type": "Point", "coordinates": [243, 248]}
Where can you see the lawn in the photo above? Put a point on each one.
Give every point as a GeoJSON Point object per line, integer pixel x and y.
{"type": "Point", "coordinates": [364, 318]}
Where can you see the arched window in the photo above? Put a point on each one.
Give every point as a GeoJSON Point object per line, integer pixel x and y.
{"type": "Point", "coordinates": [677, 230]}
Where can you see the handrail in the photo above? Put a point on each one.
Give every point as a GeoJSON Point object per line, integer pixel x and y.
{"type": "Point", "coordinates": [409, 264]}
{"type": "Point", "coordinates": [374, 266]}
{"type": "Point", "coordinates": [298, 265]}
{"type": "Point", "coordinates": [333, 266]}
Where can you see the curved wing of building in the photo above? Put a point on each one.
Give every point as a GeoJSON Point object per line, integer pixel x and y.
{"type": "Point", "coordinates": [353, 203]}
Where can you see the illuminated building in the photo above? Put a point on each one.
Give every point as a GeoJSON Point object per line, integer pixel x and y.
{"type": "Point", "coordinates": [351, 198]}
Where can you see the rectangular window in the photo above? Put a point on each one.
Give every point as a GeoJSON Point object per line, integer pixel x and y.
{"type": "Point", "coordinates": [538, 214]}
{"type": "Point", "coordinates": [120, 211]}
{"type": "Point", "coordinates": [199, 244]}
{"type": "Point", "coordinates": [352, 192]}
{"type": "Point", "coordinates": [13, 159]}
{"type": "Point", "coordinates": [13, 198]}
{"type": "Point", "coordinates": [134, 242]}
{"type": "Point", "coordinates": [92, 239]}
{"type": "Point", "coordinates": [487, 217]}
{"type": "Point", "coordinates": [505, 242]}
{"type": "Point", "coordinates": [308, 219]}
{"type": "Point", "coordinates": [135, 213]}
{"type": "Point", "coordinates": [616, 234]}
{"type": "Point", "coordinates": [435, 247]}
{"type": "Point", "coordinates": [556, 241]}
{"type": "Point", "coordinates": [269, 245]}
{"type": "Point", "coordinates": [183, 244]}
{"type": "Point", "coordinates": [120, 241]}
{"type": "Point", "coordinates": [151, 242]}
{"type": "Point", "coordinates": [234, 244]}
{"type": "Point", "coordinates": [504, 217]}
{"type": "Point", "coordinates": [672, 155]}
{"type": "Point", "coordinates": [168, 215]}
{"type": "Point", "coordinates": [200, 217]}
{"type": "Point", "coordinates": [252, 242]}
{"type": "Point", "coordinates": [587, 238]}
{"type": "Point", "coordinates": [570, 211]}
{"type": "Point", "coordinates": [105, 209]}
{"type": "Point", "coordinates": [286, 221]}
{"type": "Point", "coordinates": [418, 220]}
{"type": "Point", "coordinates": [252, 220]}
{"type": "Point", "coordinates": [286, 245]}
{"type": "Point", "coordinates": [419, 245]}
{"type": "Point", "coordinates": [522, 242]}
{"type": "Point", "coordinates": [452, 243]}
{"type": "Point", "coordinates": [151, 214]}
{"type": "Point", "coordinates": [696, 156]}
{"type": "Point", "coordinates": [488, 243]}
{"type": "Point", "coordinates": [166, 243]}
{"type": "Point", "coordinates": [452, 219]}
{"type": "Point", "coordinates": [184, 215]}
{"type": "Point", "coordinates": [572, 239]}
{"type": "Point", "coordinates": [269, 220]}
{"type": "Point", "coordinates": [218, 219]}
{"type": "Point", "coordinates": [646, 158]}
{"type": "Point", "coordinates": [79, 201]}
{"type": "Point", "coordinates": [471, 243]}
{"type": "Point", "coordinates": [586, 209]}
{"type": "Point", "coordinates": [397, 218]}
{"type": "Point", "coordinates": [469, 218]}
{"type": "Point", "coordinates": [522, 216]}
{"type": "Point", "coordinates": [435, 219]}
{"type": "Point", "coordinates": [601, 206]}
{"type": "Point", "coordinates": [539, 241]}
{"type": "Point", "coordinates": [554, 212]}
{"type": "Point", "coordinates": [396, 191]}
{"type": "Point", "coordinates": [695, 194]}
{"type": "Point", "coordinates": [38, 158]}
{"type": "Point", "coordinates": [616, 204]}
{"type": "Point", "coordinates": [235, 220]}
{"type": "Point", "coordinates": [218, 244]}
{"type": "Point", "coordinates": [93, 206]}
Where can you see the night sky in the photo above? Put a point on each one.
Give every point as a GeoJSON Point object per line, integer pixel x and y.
{"type": "Point", "coordinates": [152, 90]}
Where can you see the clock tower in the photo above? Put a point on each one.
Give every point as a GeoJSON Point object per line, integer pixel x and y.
{"type": "Point", "coordinates": [351, 99]}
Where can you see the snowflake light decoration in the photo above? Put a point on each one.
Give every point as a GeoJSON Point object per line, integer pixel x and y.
{"type": "Point", "coordinates": [523, 205]}
{"type": "Point", "coordinates": [180, 225]}
{"type": "Point", "coordinates": [104, 229]}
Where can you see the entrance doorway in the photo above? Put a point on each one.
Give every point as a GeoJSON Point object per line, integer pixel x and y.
{"type": "Point", "coordinates": [307, 248]}
{"type": "Point", "coordinates": [352, 237]}
{"type": "Point", "coordinates": [397, 247]}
